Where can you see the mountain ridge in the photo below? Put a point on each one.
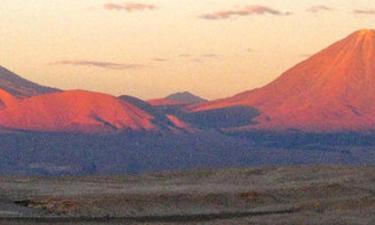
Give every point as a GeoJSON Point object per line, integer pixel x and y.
{"type": "Point", "coordinates": [75, 110]}
{"type": "Point", "coordinates": [18, 86]}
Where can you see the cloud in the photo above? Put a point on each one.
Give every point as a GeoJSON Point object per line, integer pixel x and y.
{"type": "Point", "coordinates": [184, 55]}
{"type": "Point", "coordinates": [319, 8]}
{"type": "Point", "coordinates": [129, 7]}
{"type": "Point", "coordinates": [211, 56]}
{"type": "Point", "coordinates": [99, 64]}
{"type": "Point", "coordinates": [160, 59]}
{"type": "Point", "coordinates": [196, 60]}
{"type": "Point", "coordinates": [250, 50]}
{"type": "Point", "coordinates": [246, 11]}
{"type": "Point", "coordinates": [364, 12]}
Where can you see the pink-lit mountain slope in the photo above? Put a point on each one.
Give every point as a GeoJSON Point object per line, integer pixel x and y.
{"type": "Point", "coordinates": [75, 111]}
{"type": "Point", "coordinates": [333, 90]}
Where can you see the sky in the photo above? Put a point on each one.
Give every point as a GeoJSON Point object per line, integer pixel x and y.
{"type": "Point", "coordinates": [152, 48]}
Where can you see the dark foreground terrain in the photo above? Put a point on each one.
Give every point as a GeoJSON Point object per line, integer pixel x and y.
{"type": "Point", "coordinates": [56, 154]}
{"type": "Point", "coordinates": [274, 195]}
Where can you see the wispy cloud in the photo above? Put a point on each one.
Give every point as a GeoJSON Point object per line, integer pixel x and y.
{"type": "Point", "coordinates": [99, 64]}
{"type": "Point", "coordinates": [129, 6]}
{"type": "Point", "coordinates": [319, 8]}
{"type": "Point", "coordinates": [364, 11]}
{"type": "Point", "coordinates": [160, 59]}
{"type": "Point", "coordinates": [210, 55]}
{"type": "Point", "coordinates": [246, 11]}
{"type": "Point", "coordinates": [196, 60]}
{"type": "Point", "coordinates": [250, 50]}
{"type": "Point", "coordinates": [184, 55]}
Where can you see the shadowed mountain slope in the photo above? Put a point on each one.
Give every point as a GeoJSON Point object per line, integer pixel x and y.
{"type": "Point", "coordinates": [18, 86]}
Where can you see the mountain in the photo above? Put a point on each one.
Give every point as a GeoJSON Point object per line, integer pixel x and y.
{"type": "Point", "coordinates": [77, 111]}
{"type": "Point", "coordinates": [139, 103]}
{"type": "Point", "coordinates": [186, 97]}
{"type": "Point", "coordinates": [180, 98]}
{"type": "Point", "coordinates": [332, 91]}
{"type": "Point", "coordinates": [83, 112]}
{"type": "Point", "coordinates": [161, 115]}
{"type": "Point", "coordinates": [16, 85]}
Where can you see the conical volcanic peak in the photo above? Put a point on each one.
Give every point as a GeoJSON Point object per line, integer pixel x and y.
{"type": "Point", "coordinates": [364, 32]}
{"type": "Point", "coordinates": [332, 90]}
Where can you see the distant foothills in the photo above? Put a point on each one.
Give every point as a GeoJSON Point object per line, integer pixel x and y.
{"type": "Point", "coordinates": [332, 92]}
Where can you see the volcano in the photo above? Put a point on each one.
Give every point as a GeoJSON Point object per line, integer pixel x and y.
{"type": "Point", "coordinates": [18, 86]}
{"type": "Point", "coordinates": [334, 90]}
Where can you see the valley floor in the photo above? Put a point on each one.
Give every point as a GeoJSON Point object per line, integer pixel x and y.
{"type": "Point", "coordinates": [266, 196]}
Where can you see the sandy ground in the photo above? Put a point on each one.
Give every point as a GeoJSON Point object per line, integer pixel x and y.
{"type": "Point", "coordinates": [270, 196]}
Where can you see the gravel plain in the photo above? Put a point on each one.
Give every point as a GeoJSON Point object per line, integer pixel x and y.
{"type": "Point", "coordinates": [297, 195]}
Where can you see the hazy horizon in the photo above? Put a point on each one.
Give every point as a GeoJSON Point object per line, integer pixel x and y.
{"type": "Point", "coordinates": [152, 48]}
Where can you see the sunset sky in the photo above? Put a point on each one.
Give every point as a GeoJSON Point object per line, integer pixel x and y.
{"type": "Point", "coordinates": [151, 48]}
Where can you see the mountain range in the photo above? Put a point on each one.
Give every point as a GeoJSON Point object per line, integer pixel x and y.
{"type": "Point", "coordinates": [320, 111]}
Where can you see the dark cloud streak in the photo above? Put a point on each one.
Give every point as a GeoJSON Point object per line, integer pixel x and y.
{"type": "Point", "coordinates": [129, 7]}
{"type": "Point", "coordinates": [160, 59]}
{"type": "Point", "coordinates": [250, 50]}
{"type": "Point", "coordinates": [319, 8]}
{"type": "Point", "coordinates": [99, 64]}
{"type": "Point", "coordinates": [246, 11]}
{"type": "Point", "coordinates": [209, 55]}
{"type": "Point", "coordinates": [184, 55]}
{"type": "Point", "coordinates": [364, 12]}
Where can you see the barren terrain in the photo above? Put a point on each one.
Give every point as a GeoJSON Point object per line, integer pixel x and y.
{"type": "Point", "coordinates": [273, 195]}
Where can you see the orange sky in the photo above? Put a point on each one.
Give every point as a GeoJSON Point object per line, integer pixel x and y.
{"type": "Point", "coordinates": [150, 48]}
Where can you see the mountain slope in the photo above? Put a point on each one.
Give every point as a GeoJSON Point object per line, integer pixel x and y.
{"type": "Point", "coordinates": [161, 116]}
{"type": "Point", "coordinates": [331, 91]}
{"type": "Point", "coordinates": [18, 86]}
{"type": "Point", "coordinates": [76, 111]}
{"type": "Point", "coordinates": [6, 99]}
